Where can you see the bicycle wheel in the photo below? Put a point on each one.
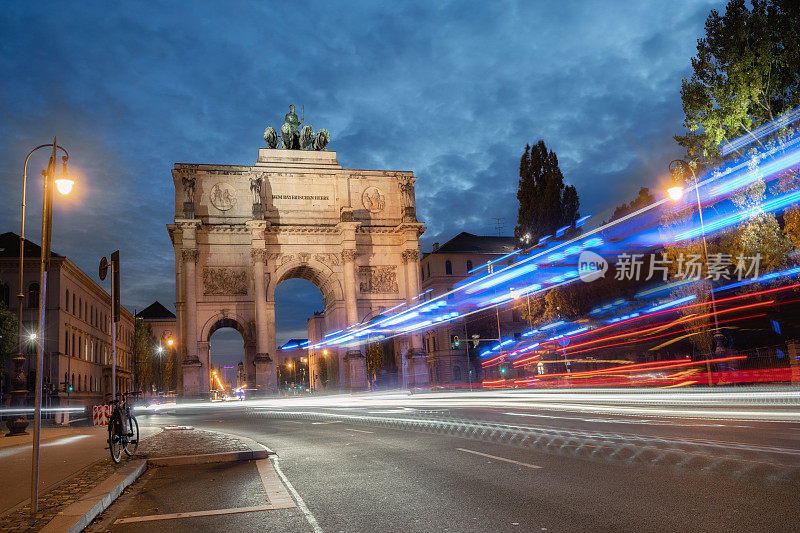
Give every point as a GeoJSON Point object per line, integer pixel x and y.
{"type": "Point", "coordinates": [114, 442]}
{"type": "Point", "coordinates": [132, 442]}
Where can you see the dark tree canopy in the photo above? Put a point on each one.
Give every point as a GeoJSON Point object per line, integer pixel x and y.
{"type": "Point", "coordinates": [545, 204]}
{"type": "Point", "coordinates": [746, 73]}
{"type": "Point", "coordinates": [644, 199]}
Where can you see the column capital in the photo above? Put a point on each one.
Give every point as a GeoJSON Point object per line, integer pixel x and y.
{"type": "Point", "coordinates": [410, 256]}
{"type": "Point", "coordinates": [189, 255]}
{"type": "Point", "coordinates": [259, 255]}
{"type": "Point", "coordinates": [348, 256]}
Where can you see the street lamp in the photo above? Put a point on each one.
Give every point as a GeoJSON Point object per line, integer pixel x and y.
{"type": "Point", "coordinates": [64, 185]}
{"type": "Point", "coordinates": [677, 168]}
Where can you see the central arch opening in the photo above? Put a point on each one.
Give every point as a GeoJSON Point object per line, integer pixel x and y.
{"type": "Point", "coordinates": [296, 301]}
{"type": "Point", "coordinates": [226, 359]}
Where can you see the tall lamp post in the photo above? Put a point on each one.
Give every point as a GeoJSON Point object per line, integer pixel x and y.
{"type": "Point", "coordinates": [677, 169]}
{"type": "Point", "coordinates": [64, 185]}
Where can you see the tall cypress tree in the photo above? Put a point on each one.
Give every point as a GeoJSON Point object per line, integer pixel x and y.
{"type": "Point", "coordinates": [545, 204]}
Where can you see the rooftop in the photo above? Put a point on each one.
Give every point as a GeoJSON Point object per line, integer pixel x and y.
{"type": "Point", "coordinates": [464, 243]}
{"type": "Point", "coordinates": [9, 247]}
{"type": "Point", "coordinates": [155, 311]}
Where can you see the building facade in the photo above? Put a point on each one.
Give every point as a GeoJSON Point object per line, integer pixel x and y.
{"type": "Point", "coordinates": [239, 231]}
{"type": "Point", "coordinates": [78, 347]}
{"type": "Point", "coordinates": [449, 345]}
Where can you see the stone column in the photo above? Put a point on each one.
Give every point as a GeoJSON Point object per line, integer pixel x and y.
{"type": "Point", "coordinates": [349, 270]}
{"type": "Point", "coordinates": [191, 363]}
{"type": "Point", "coordinates": [418, 375]}
{"type": "Point", "coordinates": [204, 378]}
{"type": "Point", "coordinates": [265, 379]}
{"type": "Point", "coordinates": [355, 365]}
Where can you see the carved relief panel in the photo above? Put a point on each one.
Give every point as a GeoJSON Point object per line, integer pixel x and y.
{"type": "Point", "coordinates": [224, 281]}
{"type": "Point", "coordinates": [378, 279]}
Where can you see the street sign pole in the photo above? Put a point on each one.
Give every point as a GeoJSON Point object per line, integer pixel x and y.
{"type": "Point", "coordinates": [113, 340]}
{"type": "Point", "coordinates": [47, 219]}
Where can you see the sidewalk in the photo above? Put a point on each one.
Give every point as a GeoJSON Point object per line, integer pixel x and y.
{"type": "Point", "coordinates": [158, 443]}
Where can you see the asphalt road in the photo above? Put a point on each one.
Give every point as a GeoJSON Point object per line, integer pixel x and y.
{"type": "Point", "coordinates": [357, 476]}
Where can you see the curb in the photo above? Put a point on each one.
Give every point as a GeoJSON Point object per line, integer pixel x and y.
{"type": "Point", "coordinates": [206, 458]}
{"type": "Point", "coordinates": [80, 513]}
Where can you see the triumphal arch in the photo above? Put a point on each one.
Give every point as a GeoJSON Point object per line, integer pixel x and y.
{"type": "Point", "coordinates": [240, 230]}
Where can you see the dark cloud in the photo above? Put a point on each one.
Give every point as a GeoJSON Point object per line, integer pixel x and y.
{"type": "Point", "coordinates": [452, 91]}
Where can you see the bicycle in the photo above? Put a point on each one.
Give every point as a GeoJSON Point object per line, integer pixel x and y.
{"type": "Point", "coordinates": [123, 429]}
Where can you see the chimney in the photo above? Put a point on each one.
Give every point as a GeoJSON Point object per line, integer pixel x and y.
{"type": "Point", "coordinates": [435, 246]}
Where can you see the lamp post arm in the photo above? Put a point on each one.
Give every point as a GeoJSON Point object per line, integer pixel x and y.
{"type": "Point", "coordinates": [21, 293]}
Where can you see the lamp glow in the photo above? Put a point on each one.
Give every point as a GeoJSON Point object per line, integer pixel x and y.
{"type": "Point", "coordinates": [64, 185]}
{"type": "Point", "coordinates": [676, 193]}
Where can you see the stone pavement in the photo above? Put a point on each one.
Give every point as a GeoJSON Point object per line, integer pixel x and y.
{"type": "Point", "coordinates": [162, 444]}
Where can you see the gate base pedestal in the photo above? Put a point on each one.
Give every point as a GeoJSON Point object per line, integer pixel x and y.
{"type": "Point", "coordinates": [356, 370]}
{"type": "Point", "coordinates": [191, 378]}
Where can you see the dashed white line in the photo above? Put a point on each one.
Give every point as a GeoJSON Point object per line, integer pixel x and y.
{"type": "Point", "coordinates": [498, 458]}
{"type": "Point", "coordinates": [359, 430]}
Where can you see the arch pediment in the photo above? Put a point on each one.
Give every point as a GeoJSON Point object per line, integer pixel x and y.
{"type": "Point", "coordinates": [228, 319]}
{"type": "Point", "coordinates": [310, 268]}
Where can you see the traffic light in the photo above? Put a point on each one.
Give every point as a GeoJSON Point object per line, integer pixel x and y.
{"type": "Point", "coordinates": [503, 370]}
{"type": "Point", "coordinates": [455, 342]}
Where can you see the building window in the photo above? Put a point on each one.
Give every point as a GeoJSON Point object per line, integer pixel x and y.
{"type": "Point", "coordinates": [73, 344]}
{"type": "Point", "coordinates": [457, 373]}
{"type": "Point", "coordinates": [66, 305]}
{"type": "Point", "coordinates": [448, 268]}
{"type": "Point", "coordinates": [422, 272]}
{"type": "Point", "coordinates": [80, 308]}
{"type": "Point", "coordinates": [66, 342]}
{"type": "Point", "coordinates": [5, 294]}
{"type": "Point", "coordinates": [33, 295]}
{"type": "Point", "coordinates": [469, 265]}
{"type": "Point", "coordinates": [73, 381]}
{"type": "Point", "coordinates": [429, 270]}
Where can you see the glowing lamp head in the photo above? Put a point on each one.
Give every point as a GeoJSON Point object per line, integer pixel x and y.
{"type": "Point", "coordinates": [170, 342]}
{"type": "Point", "coordinates": [325, 352]}
{"type": "Point", "coordinates": [32, 336]}
{"type": "Point", "coordinates": [676, 192]}
{"type": "Point", "coordinates": [289, 365]}
{"type": "Point", "coordinates": [64, 185]}
{"type": "Point", "coordinates": [160, 349]}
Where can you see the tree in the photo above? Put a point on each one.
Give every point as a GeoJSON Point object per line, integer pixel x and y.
{"type": "Point", "coordinates": [545, 204]}
{"type": "Point", "coordinates": [8, 333]}
{"type": "Point", "coordinates": [143, 343]}
{"type": "Point", "coordinates": [374, 360]}
{"type": "Point", "coordinates": [744, 75]}
{"type": "Point", "coordinates": [644, 199]}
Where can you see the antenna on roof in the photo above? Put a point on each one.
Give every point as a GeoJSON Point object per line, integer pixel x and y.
{"type": "Point", "coordinates": [499, 224]}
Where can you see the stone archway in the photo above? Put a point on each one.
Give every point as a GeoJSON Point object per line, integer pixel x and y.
{"type": "Point", "coordinates": [240, 231]}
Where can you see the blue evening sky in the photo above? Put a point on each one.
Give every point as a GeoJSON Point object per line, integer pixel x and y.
{"type": "Point", "coordinates": [450, 90]}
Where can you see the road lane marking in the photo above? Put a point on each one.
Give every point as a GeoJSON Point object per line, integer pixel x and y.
{"type": "Point", "coordinates": [300, 503]}
{"type": "Point", "coordinates": [498, 458]}
{"type": "Point", "coordinates": [276, 492]}
{"type": "Point", "coordinates": [325, 423]}
{"type": "Point", "coordinates": [359, 430]}
{"type": "Point", "coordinates": [191, 514]}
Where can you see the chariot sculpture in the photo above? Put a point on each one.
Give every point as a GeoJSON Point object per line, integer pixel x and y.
{"type": "Point", "coordinates": [294, 138]}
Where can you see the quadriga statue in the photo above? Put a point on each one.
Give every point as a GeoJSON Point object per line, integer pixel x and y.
{"type": "Point", "coordinates": [293, 138]}
{"type": "Point", "coordinates": [271, 136]}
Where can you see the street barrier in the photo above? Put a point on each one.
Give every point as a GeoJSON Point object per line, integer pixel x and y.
{"type": "Point", "coordinates": [101, 414]}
